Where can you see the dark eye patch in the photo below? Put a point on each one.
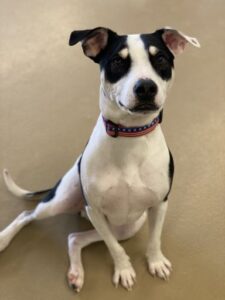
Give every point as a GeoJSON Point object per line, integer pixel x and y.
{"type": "Point", "coordinates": [162, 65]}
{"type": "Point", "coordinates": [116, 68]}
{"type": "Point", "coordinates": [162, 62]}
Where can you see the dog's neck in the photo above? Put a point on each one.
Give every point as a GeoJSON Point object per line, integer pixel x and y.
{"type": "Point", "coordinates": [112, 112]}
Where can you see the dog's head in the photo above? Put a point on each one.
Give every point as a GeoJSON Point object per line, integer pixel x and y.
{"type": "Point", "coordinates": [136, 70]}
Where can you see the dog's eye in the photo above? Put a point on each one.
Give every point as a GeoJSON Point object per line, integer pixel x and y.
{"type": "Point", "coordinates": [116, 63]}
{"type": "Point", "coordinates": [161, 60]}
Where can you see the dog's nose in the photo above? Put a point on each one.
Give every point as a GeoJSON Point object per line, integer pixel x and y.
{"type": "Point", "coordinates": [145, 89]}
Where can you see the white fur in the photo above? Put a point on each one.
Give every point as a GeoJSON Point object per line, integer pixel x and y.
{"type": "Point", "coordinates": [122, 178]}
{"type": "Point", "coordinates": [142, 173]}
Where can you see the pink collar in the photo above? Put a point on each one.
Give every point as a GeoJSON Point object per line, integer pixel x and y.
{"type": "Point", "coordinates": [115, 130]}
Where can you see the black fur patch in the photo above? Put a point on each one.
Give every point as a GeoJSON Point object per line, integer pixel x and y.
{"type": "Point", "coordinates": [52, 192]}
{"type": "Point", "coordinates": [170, 174]}
{"type": "Point", "coordinates": [162, 62]}
{"type": "Point", "coordinates": [115, 67]}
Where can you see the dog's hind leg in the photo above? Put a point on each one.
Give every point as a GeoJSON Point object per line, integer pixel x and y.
{"type": "Point", "coordinates": [66, 197]}
{"type": "Point", "coordinates": [77, 241]}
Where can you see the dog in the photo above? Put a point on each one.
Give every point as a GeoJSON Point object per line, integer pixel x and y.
{"type": "Point", "coordinates": [125, 173]}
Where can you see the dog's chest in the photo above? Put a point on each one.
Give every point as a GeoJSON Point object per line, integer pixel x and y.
{"type": "Point", "coordinates": [128, 193]}
{"type": "Point", "coordinates": [124, 180]}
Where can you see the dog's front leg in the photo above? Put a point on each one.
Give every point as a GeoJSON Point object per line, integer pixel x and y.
{"type": "Point", "coordinates": [124, 271]}
{"type": "Point", "coordinates": [158, 264]}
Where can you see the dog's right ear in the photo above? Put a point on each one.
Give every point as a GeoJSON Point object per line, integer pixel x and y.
{"type": "Point", "coordinates": [94, 41]}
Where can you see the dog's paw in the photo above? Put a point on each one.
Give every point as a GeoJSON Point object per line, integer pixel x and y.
{"type": "Point", "coordinates": [126, 276]}
{"type": "Point", "coordinates": [76, 279]}
{"type": "Point", "coordinates": [160, 266]}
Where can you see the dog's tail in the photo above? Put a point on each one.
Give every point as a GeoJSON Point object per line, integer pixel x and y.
{"type": "Point", "coordinates": [18, 191]}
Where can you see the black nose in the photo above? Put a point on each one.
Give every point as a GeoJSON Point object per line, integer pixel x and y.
{"type": "Point", "coordinates": [145, 89]}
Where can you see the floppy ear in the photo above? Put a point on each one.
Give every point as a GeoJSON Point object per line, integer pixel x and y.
{"type": "Point", "coordinates": [94, 41]}
{"type": "Point", "coordinates": [176, 40]}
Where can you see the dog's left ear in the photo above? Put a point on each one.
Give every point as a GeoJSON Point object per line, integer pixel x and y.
{"type": "Point", "coordinates": [94, 41]}
{"type": "Point", "coordinates": [176, 40]}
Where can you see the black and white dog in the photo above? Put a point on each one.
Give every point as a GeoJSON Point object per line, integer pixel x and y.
{"type": "Point", "coordinates": [126, 170]}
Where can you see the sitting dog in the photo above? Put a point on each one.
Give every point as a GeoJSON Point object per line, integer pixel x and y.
{"type": "Point", "coordinates": [125, 172]}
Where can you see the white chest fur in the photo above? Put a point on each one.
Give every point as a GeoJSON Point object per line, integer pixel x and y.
{"type": "Point", "coordinates": [125, 176]}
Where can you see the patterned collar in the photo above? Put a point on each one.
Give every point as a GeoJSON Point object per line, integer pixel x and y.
{"type": "Point", "coordinates": [115, 130]}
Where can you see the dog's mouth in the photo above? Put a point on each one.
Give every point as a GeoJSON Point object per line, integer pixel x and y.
{"type": "Point", "coordinates": [144, 108]}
